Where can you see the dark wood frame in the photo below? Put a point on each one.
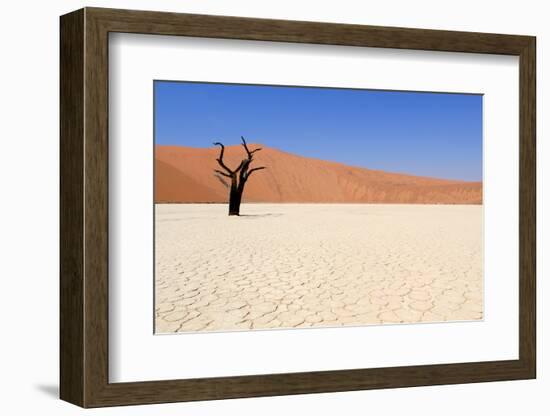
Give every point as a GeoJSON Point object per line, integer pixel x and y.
{"type": "Point", "coordinates": [84, 207]}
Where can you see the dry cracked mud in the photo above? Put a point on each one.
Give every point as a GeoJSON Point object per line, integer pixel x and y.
{"type": "Point", "coordinates": [315, 265]}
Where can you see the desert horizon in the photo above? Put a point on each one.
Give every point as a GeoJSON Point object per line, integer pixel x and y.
{"type": "Point", "coordinates": [186, 175]}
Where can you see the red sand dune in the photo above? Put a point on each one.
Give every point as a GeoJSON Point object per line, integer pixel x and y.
{"type": "Point", "coordinates": [185, 174]}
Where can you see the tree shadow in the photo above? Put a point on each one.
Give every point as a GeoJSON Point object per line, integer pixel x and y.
{"type": "Point", "coordinates": [260, 215]}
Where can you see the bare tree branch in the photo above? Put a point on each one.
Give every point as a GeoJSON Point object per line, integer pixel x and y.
{"type": "Point", "coordinates": [254, 169]}
{"type": "Point", "coordinates": [222, 148]}
{"type": "Point", "coordinates": [248, 151]}
{"type": "Point", "coordinates": [245, 146]}
{"type": "Point", "coordinates": [241, 165]}
{"type": "Point", "coordinates": [243, 173]}
{"type": "Point", "coordinates": [220, 158]}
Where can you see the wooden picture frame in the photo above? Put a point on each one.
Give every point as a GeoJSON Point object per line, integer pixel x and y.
{"type": "Point", "coordinates": [84, 207]}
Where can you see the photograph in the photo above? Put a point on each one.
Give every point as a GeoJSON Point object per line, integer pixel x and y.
{"type": "Point", "coordinates": [279, 207]}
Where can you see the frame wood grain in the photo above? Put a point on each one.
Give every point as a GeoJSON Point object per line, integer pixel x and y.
{"type": "Point", "coordinates": [84, 207]}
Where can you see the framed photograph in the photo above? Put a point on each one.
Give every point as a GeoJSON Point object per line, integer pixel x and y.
{"type": "Point", "coordinates": [255, 207]}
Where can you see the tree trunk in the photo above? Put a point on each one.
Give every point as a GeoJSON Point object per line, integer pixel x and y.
{"type": "Point", "coordinates": [235, 195]}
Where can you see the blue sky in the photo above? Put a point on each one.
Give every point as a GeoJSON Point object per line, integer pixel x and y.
{"type": "Point", "coordinates": [427, 134]}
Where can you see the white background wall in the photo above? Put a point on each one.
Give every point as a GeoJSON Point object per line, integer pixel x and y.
{"type": "Point", "coordinates": [29, 84]}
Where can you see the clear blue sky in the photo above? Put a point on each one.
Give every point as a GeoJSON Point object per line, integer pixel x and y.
{"type": "Point", "coordinates": [427, 134]}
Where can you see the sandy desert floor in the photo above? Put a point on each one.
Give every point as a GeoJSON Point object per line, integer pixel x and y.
{"type": "Point", "coordinates": [314, 265]}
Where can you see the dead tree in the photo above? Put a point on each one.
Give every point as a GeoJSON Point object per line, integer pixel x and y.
{"type": "Point", "coordinates": [237, 176]}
